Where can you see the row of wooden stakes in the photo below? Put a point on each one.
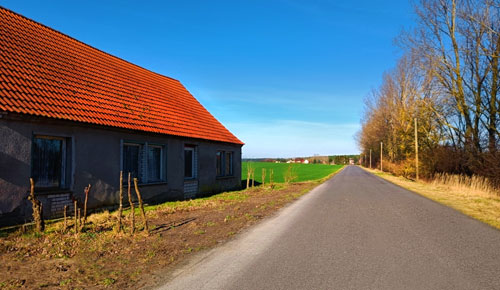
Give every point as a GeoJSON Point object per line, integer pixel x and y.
{"type": "Point", "coordinates": [251, 176]}
{"type": "Point", "coordinates": [132, 208]}
{"type": "Point", "coordinates": [78, 223]}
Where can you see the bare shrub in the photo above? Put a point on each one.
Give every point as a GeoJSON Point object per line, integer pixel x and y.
{"type": "Point", "coordinates": [249, 174]}
{"type": "Point", "coordinates": [404, 168]}
{"type": "Point", "coordinates": [290, 175]}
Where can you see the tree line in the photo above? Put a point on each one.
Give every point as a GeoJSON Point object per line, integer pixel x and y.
{"type": "Point", "coordinates": [449, 79]}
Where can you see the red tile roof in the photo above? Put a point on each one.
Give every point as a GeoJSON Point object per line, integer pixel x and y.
{"type": "Point", "coordinates": [46, 73]}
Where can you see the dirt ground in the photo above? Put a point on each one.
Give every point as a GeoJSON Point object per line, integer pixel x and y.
{"type": "Point", "coordinates": [99, 257]}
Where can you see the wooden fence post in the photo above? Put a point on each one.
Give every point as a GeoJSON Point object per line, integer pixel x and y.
{"type": "Point", "coordinates": [87, 190]}
{"type": "Point", "coordinates": [249, 173]}
{"type": "Point", "coordinates": [141, 205]}
{"type": "Point", "coordinates": [132, 209]}
{"type": "Point", "coordinates": [65, 218]}
{"type": "Point", "coordinates": [76, 216]}
{"type": "Point", "coordinates": [80, 225]}
{"type": "Point", "coordinates": [120, 208]}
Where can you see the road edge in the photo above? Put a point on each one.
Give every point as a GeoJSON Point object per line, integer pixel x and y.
{"type": "Point", "coordinates": [198, 258]}
{"type": "Point", "coordinates": [431, 199]}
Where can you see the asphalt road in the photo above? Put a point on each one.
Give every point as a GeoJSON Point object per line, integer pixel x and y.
{"type": "Point", "coordinates": [356, 231]}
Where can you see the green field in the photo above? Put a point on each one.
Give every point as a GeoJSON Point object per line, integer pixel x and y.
{"type": "Point", "coordinates": [301, 172]}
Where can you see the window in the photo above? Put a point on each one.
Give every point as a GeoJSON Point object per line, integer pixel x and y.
{"type": "Point", "coordinates": [144, 161]}
{"type": "Point", "coordinates": [220, 171]}
{"type": "Point", "coordinates": [132, 160]}
{"type": "Point", "coordinates": [48, 162]}
{"type": "Point", "coordinates": [154, 163]}
{"type": "Point", "coordinates": [189, 162]}
{"type": "Point", "coordinates": [229, 164]}
{"type": "Point", "coordinates": [224, 163]}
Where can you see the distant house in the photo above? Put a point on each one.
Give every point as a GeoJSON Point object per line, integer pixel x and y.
{"type": "Point", "coordinates": [299, 160]}
{"type": "Point", "coordinates": [72, 115]}
{"type": "Point", "coordinates": [306, 161]}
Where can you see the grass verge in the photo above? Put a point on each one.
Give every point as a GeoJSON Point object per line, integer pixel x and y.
{"type": "Point", "coordinates": [99, 257]}
{"type": "Point", "coordinates": [476, 203]}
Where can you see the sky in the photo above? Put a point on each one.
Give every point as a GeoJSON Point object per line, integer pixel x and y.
{"type": "Point", "coordinates": [287, 77]}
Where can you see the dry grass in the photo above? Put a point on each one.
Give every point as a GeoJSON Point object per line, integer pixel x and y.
{"type": "Point", "coordinates": [473, 185]}
{"type": "Point", "coordinates": [469, 195]}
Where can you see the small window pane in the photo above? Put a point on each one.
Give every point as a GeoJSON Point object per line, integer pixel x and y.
{"type": "Point", "coordinates": [188, 163]}
{"type": "Point", "coordinates": [219, 163]}
{"type": "Point", "coordinates": [229, 163]}
{"type": "Point", "coordinates": [154, 163]}
{"type": "Point", "coordinates": [131, 159]}
{"type": "Point", "coordinates": [47, 162]}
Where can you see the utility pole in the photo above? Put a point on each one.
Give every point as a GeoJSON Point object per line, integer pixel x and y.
{"type": "Point", "coordinates": [370, 159]}
{"type": "Point", "coordinates": [416, 149]}
{"type": "Point", "coordinates": [381, 150]}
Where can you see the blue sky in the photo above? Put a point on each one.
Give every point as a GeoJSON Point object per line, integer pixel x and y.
{"type": "Point", "coordinates": [287, 77]}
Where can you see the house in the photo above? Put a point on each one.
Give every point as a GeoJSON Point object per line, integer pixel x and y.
{"type": "Point", "coordinates": [72, 115]}
{"type": "Point", "coordinates": [299, 160]}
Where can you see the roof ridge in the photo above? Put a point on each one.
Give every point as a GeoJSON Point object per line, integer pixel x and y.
{"type": "Point", "coordinates": [86, 44]}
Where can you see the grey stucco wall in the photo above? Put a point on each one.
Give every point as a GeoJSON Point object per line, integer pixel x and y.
{"type": "Point", "coordinates": [96, 160]}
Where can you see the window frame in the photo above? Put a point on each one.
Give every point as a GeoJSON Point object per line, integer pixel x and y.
{"type": "Point", "coordinates": [229, 172]}
{"type": "Point", "coordinates": [65, 174]}
{"type": "Point", "coordinates": [224, 171]}
{"type": "Point", "coordinates": [193, 162]}
{"type": "Point", "coordinates": [162, 163]}
{"type": "Point", "coordinates": [219, 163]}
{"type": "Point", "coordinates": [140, 162]}
{"type": "Point", "coordinates": [143, 159]}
